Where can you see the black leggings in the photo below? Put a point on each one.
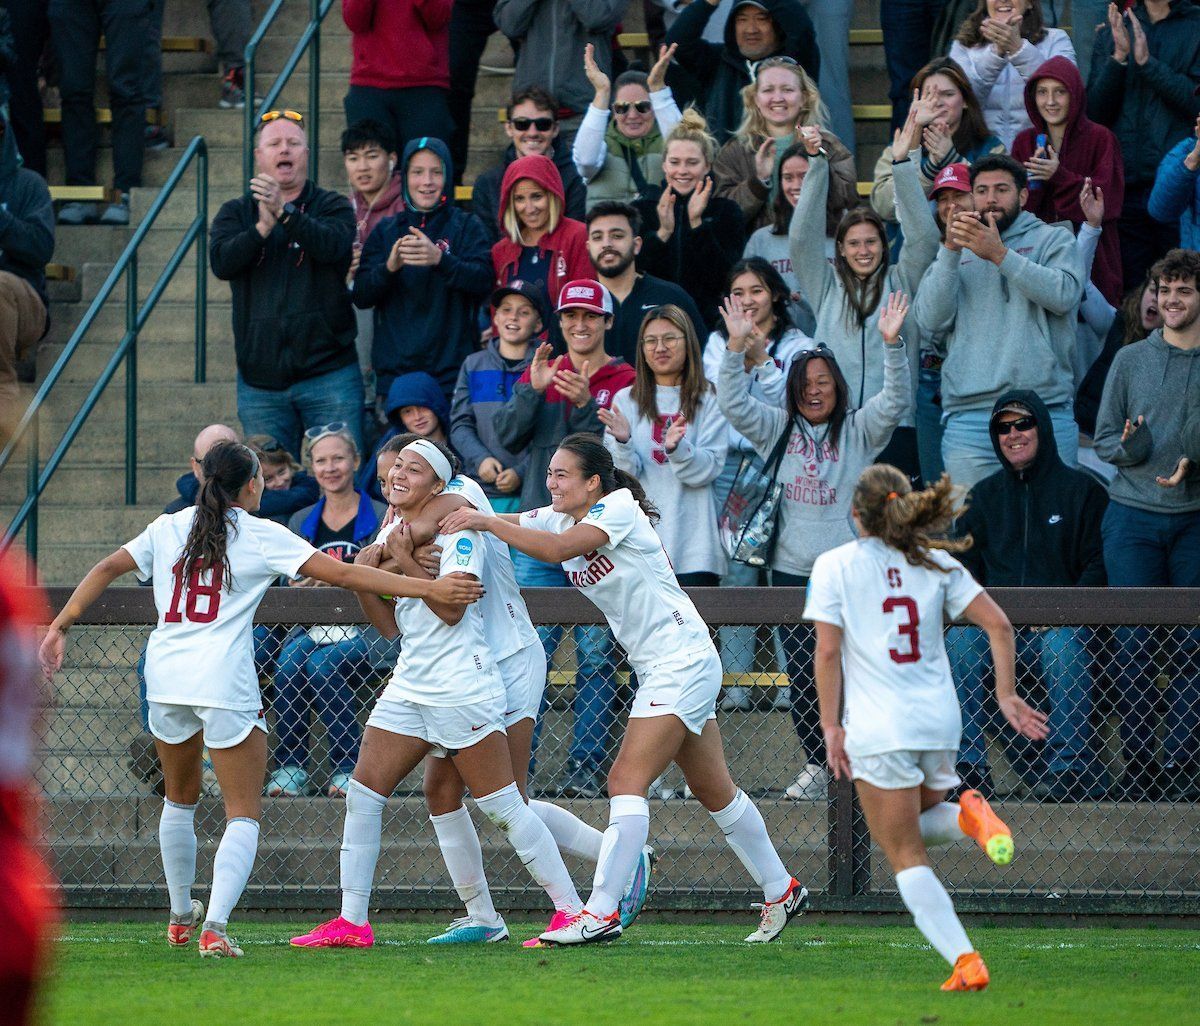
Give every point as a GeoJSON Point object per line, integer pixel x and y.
{"type": "Point", "coordinates": [798, 644]}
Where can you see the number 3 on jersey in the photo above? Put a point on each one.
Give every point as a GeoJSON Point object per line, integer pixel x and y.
{"type": "Point", "coordinates": [196, 589]}
{"type": "Point", "coordinates": [909, 629]}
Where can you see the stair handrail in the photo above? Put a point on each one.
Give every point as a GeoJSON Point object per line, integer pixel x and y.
{"type": "Point", "coordinates": [136, 316]}
{"type": "Point", "coordinates": [310, 43]}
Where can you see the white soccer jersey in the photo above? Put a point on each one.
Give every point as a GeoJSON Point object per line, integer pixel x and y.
{"type": "Point", "coordinates": [899, 695]}
{"type": "Point", "coordinates": [202, 651]}
{"type": "Point", "coordinates": [631, 581]}
{"type": "Point", "coordinates": [441, 664]}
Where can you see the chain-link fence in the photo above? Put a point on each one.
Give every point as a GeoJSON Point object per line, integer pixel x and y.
{"type": "Point", "coordinates": [1104, 813]}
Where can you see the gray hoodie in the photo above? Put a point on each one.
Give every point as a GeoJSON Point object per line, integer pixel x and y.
{"type": "Point", "coordinates": [1006, 327]}
{"type": "Point", "coordinates": [818, 478]}
{"type": "Point", "coordinates": [1160, 382]}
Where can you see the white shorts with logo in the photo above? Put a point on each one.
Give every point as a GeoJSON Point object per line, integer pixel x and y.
{"type": "Point", "coordinates": [524, 676]}
{"type": "Point", "coordinates": [894, 771]}
{"type": "Point", "coordinates": [223, 728]}
{"type": "Point", "coordinates": [686, 687]}
{"type": "Point", "coordinates": [449, 728]}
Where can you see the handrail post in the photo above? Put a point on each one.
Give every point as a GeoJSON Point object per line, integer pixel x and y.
{"type": "Point", "coordinates": [32, 473]}
{"type": "Point", "coordinates": [202, 266]}
{"type": "Point", "coordinates": [249, 115]}
{"type": "Point", "coordinates": [131, 328]}
{"type": "Point", "coordinates": [314, 89]}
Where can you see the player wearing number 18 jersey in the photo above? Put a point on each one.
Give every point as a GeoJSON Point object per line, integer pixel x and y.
{"type": "Point", "coordinates": [879, 604]}
{"type": "Point", "coordinates": [211, 566]}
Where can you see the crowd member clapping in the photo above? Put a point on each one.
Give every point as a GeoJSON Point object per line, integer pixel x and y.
{"type": "Point", "coordinates": [999, 46]}
{"type": "Point", "coordinates": [667, 431]}
{"type": "Point", "coordinates": [621, 159]}
{"type": "Point", "coordinates": [1175, 198]}
{"type": "Point", "coordinates": [690, 235]}
{"type": "Point", "coordinates": [828, 444]}
{"type": "Point", "coordinates": [780, 99]}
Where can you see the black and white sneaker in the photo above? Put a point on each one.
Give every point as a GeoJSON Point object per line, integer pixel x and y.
{"type": "Point", "coordinates": [585, 928]}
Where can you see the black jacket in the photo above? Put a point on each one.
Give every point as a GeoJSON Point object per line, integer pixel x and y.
{"type": "Point", "coordinates": [292, 318]}
{"type": "Point", "coordinates": [1149, 107]}
{"type": "Point", "coordinates": [1039, 527]}
{"type": "Point", "coordinates": [277, 504]}
{"type": "Point", "coordinates": [485, 193]}
{"type": "Point", "coordinates": [723, 71]}
{"type": "Point", "coordinates": [26, 219]}
{"type": "Point", "coordinates": [648, 292]}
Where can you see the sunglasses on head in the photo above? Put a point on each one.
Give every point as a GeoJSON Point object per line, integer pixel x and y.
{"type": "Point", "coordinates": [775, 62]}
{"type": "Point", "coordinates": [275, 115]}
{"type": "Point", "coordinates": [524, 124]}
{"type": "Point", "coordinates": [622, 107]}
{"type": "Point", "coordinates": [1020, 424]}
{"type": "Point", "coordinates": [315, 434]}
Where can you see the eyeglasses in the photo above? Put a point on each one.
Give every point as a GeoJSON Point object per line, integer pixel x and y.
{"type": "Point", "coordinates": [666, 341]}
{"type": "Point", "coordinates": [1020, 424]}
{"type": "Point", "coordinates": [315, 434]}
{"type": "Point", "coordinates": [524, 124]}
{"type": "Point", "coordinates": [622, 107]}
{"type": "Point", "coordinates": [275, 115]}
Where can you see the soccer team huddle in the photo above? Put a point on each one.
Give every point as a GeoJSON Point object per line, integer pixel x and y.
{"type": "Point", "coordinates": [468, 684]}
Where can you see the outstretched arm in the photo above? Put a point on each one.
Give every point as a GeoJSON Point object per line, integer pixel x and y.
{"type": "Point", "coordinates": [90, 588]}
{"type": "Point", "coordinates": [543, 545]}
{"type": "Point", "coordinates": [1022, 717]}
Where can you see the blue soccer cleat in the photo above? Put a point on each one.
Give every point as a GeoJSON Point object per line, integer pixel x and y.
{"type": "Point", "coordinates": [467, 931]}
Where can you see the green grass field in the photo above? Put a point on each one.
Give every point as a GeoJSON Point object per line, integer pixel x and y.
{"type": "Point", "coordinates": [124, 973]}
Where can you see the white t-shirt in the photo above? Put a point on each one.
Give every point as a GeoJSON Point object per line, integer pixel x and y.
{"type": "Point", "coordinates": [440, 664]}
{"type": "Point", "coordinates": [630, 580]}
{"type": "Point", "coordinates": [202, 651]}
{"type": "Point", "coordinates": [899, 695]}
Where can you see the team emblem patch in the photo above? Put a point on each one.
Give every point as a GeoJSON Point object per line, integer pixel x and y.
{"type": "Point", "coordinates": [596, 510]}
{"type": "Point", "coordinates": [462, 551]}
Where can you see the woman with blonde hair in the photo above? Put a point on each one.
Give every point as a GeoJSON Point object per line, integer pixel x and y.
{"type": "Point", "coordinates": [779, 100]}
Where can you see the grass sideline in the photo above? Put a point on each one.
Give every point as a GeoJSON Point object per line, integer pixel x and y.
{"type": "Point", "coordinates": [661, 973]}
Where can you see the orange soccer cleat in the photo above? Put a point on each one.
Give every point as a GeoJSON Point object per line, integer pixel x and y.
{"type": "Point", "coordinates": [976, 819]}
{"type": "Point", "coordinates": [969, 973]}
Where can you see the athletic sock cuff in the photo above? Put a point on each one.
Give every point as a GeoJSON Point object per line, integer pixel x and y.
{"type": "Point", "coordinates": [726, 817]}
{"type": "Point", "coordinates": [449, 818]}
{"type": "Point", "coordinates": [168, 804]}
{"type": "Point", "coordinates": [628, 805]}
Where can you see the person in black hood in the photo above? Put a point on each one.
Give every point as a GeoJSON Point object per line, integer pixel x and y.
{"type": "Point", "coordinates": [1035, 523]}
{"type": "Point", "coordinates": [756, 30]}
{"type": "Point", "coordinates": [425, 271]}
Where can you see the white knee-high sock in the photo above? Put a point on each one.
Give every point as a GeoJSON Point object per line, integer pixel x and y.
{"type": "Point", "coordinates": [533, 844]}
{"type": "Point", "coordinates": [570, 833]}
{"type": "Point", "coordinates": [360, 849]}
{"type": "Point", "coordinates": [177, 842]}
{"type": "Point", "coordinates": [933, 912]}
{"type": "Point", "coordinates": [744, 829]}
{"type": "Point", "coordinates": [464, 861]}
{"type": "Point", "coordinates": [628, 828]}
{"type": "Point", "coordinates": [939, 825]}
{"type": "Point", "coordinates": [231, 868]}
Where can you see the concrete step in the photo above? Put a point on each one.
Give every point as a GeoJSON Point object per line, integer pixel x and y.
{"type": "Point", "coordinates": [158, 360]}
{"type": "Point", "coordinates": [170, 321]}
{"type": "Point", "coordinates": [108, 521]}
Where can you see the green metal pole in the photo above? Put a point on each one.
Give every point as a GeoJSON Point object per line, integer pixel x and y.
{"type": "Point", "coordinates": [31, 488]}
{"type": "Point", "coordinates": [202, 266]}
{"type": "Point", "coordinates": [249, 115]}
{"type": "Point", "coordinates": [131, 328]}
{"type": "Point", "coordinates": [314, 88]}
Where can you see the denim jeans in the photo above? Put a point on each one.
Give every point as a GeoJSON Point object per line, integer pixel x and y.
{"type": "Point", "coordinates": [1059, 657]}
{"type": "Point", "coordinates": [470, 26]}
{"type": "Point", "coordinates": [907, 30]}
{"type": "Point", "coordinates": [595, 674]}
{"type": "Point", "coordinates": [285, 415]}
{"type": "Point", "coordinates": [929, 423]}
{"type": "Point", "coordinates": [1086, 15]}
{"type": "Point", "coordinates": [967, 445]}
{"type": "Point", "coordinates": [831, 19]}
{"type": "Point", "coordinates": [799, 643]}
{"type": "Point", "coordinates": [1155, 550]}
{"type": "Point", "coordinates": [321, 678]}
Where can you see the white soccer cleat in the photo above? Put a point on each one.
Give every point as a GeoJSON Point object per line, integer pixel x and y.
{"type": "Point", "coordinates": [218, 945]}
{"type": "Point", "coordinates": [777, 914]}
{"type": "Point", "coordinates": [584, 928]}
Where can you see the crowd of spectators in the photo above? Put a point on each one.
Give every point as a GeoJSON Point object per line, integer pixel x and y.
{"type": "Point", "coordinates": [677, 258]}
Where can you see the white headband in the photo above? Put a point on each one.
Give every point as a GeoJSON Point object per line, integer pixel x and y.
{"type": "Point", "coordinates": [433, 456]}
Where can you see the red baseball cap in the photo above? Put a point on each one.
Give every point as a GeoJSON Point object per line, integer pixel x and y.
{"type": "Point", "coordinates": [952, 176]}
{"type": "Point", "coordinates": [585, 294]}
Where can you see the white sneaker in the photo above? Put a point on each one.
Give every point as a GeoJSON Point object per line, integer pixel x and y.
{"type": "Point", "coordinates": [585, 928]}
{"type": "Point", "coordinates": [735, 699]}
{"type": "Point", "coordinates": [812, 785]}
{"type": "Point", "coordinates": [777, 914]}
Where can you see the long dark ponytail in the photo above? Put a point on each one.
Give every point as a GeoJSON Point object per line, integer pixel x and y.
{"type": "Point", "coordinates": [595, 460]}
{"type": "Point", "coordinates": [226, 467]}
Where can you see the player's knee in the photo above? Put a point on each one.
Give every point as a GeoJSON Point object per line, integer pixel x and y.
{"type": "Point", "coordinates": [443, 794]}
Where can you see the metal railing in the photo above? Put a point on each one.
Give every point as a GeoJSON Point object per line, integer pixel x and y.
{"type": "Point", "coordinates": [136, 314]}
{"type": "Point", "coordinates": [1112, 850]}
{"type": "Point", "coordinates": [310, 44]}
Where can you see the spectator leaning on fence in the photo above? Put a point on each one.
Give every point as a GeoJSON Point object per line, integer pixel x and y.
{"type": "Point", "coordinates": [424, 271]}
{"type": "Point", "coordinates": [1175, 197]}
{"type": "Point", "coordinates": [1004, 293]}
{"type": "Point", "coordinates": [1035, 523]}
{"type": "Point", "coordinates": [285, 248]}
{"type": "Point", "coordinates": [1152, 527]}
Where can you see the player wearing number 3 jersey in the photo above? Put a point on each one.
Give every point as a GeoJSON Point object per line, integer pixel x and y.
{"type": "Point", "coordinates": [211, 566]}
{"type": "Point", "coordinates": [879, 604]}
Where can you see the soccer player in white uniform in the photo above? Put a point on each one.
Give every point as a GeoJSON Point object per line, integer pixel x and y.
{"type": "Point", "coordinates": [879, 604]}
{"type": "Point", "coordinates": [598, 528]}
{"type": "Point", "coordinates": [521, 660]}
{"type": "Point", "coordinates": [211, 565]}
{"type": "Point", "coordinates": [446, 695]}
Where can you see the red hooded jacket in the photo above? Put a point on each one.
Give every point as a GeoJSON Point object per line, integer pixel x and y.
{"type": "Point", "coordinates": [565, 247]}
{"type": "Point", "coordinates": [1088, 150]}
{"type": "Point", "coordinates": [399, 44]}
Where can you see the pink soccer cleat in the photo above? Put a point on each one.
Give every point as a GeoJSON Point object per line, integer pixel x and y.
{"type": "Point", "coordinates": [337, 933]}
{"type": "Point", "coordinates": [557, 922]}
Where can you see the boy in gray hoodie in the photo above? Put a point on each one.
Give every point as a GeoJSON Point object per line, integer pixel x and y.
{"type": "Point", "coordinates": [1151, 529]}
{"type": "Point", "coordinates": [1004, 291]}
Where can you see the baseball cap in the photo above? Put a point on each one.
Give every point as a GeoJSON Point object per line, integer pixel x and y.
{"type": "Point", "coordinates": [529, 290]}
{"type": "Point", "coordinates": [1014, 407]}
{"type": "Point", "coordinates": [952, 176]}
{"type": "Point", "coordinates": [585, 294]}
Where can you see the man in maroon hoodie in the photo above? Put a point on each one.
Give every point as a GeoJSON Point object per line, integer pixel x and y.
{"type": "Point", "coordinates": [1076, 148]}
